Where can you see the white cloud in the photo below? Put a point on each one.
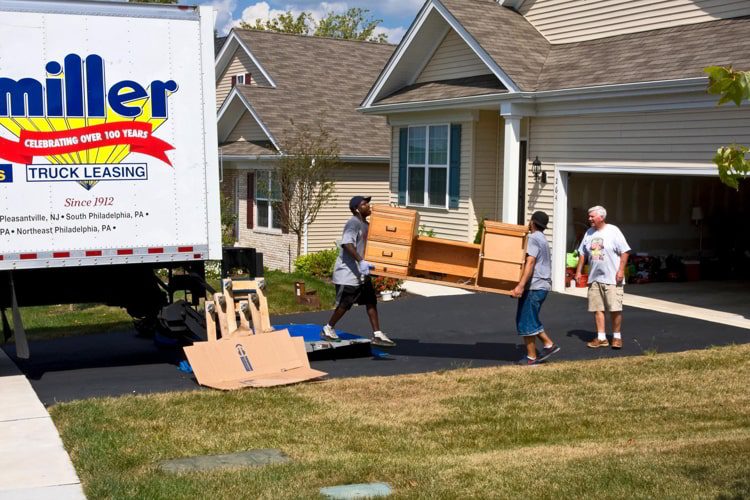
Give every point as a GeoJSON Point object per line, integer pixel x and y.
{"type": "Point", "coordinates": [224, 10]}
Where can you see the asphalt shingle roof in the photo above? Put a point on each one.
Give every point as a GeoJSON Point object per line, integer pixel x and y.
{"type": "Point", "coordinates": [447, 89]}
{"type": "Point", "coordinates": [536, 65]}
{"type": "Point", "coordinates": [319, 80]}
{"type": "Point", "coordinates": [251, 148]}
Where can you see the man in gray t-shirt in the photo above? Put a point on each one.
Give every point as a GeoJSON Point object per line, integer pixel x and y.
{"type": "Point", "coordinates": [532, 290]}
{"type": "Point", "coordinates": [351, 275]}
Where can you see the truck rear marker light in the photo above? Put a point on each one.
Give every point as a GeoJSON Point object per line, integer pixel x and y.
{"type": "Point", "coordinates": [196, 256]}
{"type": "Point", "coordinates": [155, 250]}
{"type": "Point", "coordinates": [93, 253]}
{"type": "Point", "coordinates": [60, 255]}
{"type": "Point", "coordinates": [27, 256]}
{"type": "Point", "coordinates": [184, 249]}
{"type": "Point", "coordinates": [125, 251]}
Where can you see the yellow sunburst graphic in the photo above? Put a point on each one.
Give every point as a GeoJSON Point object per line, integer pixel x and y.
{"type": "Point", "coordinates": [98, 155]}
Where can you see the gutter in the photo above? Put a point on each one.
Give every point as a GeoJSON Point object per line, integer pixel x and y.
{"type": "Point", "coordinates": [347, 159]}
{"type": "Point", "coordinates": [576, 93]}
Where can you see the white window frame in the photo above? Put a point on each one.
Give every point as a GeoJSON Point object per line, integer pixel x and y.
{"type": "Point", "coordinates": [261, 176]}
{"type": "Point", "coordinates": [239, 79]}
{"type": "Point", "coordinates": [427, 166]}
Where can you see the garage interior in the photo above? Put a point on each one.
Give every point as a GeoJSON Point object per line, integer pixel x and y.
{"type": "Point", "coordinates": [690, 235]}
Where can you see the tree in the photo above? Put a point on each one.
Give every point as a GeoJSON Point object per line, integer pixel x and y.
{"type": "Point", "coordinates": [351, 25]}
{"type": "Point", "coordinates": [283, 23]}
{"type": "Point", "coordinates": [305, 176]}
{"type": "Point", "coordinates": [732, 86]}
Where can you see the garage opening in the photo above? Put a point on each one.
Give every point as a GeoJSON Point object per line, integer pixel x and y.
{"type": "Point", "coordinates": [690, 234]}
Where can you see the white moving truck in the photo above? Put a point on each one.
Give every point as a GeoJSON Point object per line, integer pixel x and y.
{"type": "Point", "coordinates": [108, 151]}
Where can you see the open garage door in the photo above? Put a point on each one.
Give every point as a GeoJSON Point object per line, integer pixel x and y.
{"type": "Point", "coordinates": [690, 234]}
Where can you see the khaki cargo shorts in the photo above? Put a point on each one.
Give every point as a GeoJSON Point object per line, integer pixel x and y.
{"type": "Point", "coordinates": [603, 297]}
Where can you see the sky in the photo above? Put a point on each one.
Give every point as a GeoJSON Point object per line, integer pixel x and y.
{"type": "Point", "coordinates": [397, 15]}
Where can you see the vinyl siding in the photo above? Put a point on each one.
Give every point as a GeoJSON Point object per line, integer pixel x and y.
{"type": "Point", "coordinates": [488, 166]}
{"type": "Point", "coordinates": [452, 59]}
{"type": "Point", "coordinates": [564, 21]}
{"type": "Point", "coordinates": [452, 224]}
{"type": "Point", "coordinates": [239, 64]}
{"type": "Point", "coordinates": [354, 179]}
{"type": "Point", "coordinates": [680, 139]}
{"type": "Point", "coordinates": [247, 129]}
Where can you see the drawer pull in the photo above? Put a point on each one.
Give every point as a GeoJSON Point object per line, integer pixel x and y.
{"type": "Point", "coordinates": [387, 254]}
{"type": "Point", "coordinates": [391, 229]}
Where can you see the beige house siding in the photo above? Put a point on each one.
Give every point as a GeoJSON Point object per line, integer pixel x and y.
{"type": "Point", "coordinates": [281, 249]}
{"type": "Point", "coordinates": [239, 64]}
{"type": "Point", "coordinates": [247, 129]}
{"type": "Point", "coordinates": [686, 138]}
{"type": "Point", "coordinates": [488, 167]}
{"type": "Point", "coordinates": [452, 224]}
{"type": "Point", "coordinates": [354, 179]}
{"type": "Point", "coordinates": [452, 59]}
{"type": "Point", "coordinates": [563, 21]}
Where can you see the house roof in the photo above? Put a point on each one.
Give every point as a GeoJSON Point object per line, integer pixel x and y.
{"type": "Point", "coordinates": [319, 80]}
{"type": "Point", "coordinates": [248, 148]}
{"type": "Point", "coordinates": [663, 54]}
{"type": "Point", "coordinates": [533, 64]}
{"type": "Point", "coordinates": [512, 42]}
{"type": "Point", "coordinates": [447, 89]}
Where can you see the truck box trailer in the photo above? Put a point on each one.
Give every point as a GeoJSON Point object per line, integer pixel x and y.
{"type": "Point", "coordinates": [108, 151]}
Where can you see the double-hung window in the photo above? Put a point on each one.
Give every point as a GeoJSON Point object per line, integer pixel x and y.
{"type": "Point", "coordinates": [268, 200]}
{"type": "Point", "coordinates": [427, 161]}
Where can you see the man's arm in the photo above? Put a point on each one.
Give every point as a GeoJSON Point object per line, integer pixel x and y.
{"type": "Point", "coordinates": [620, 276]}
{"type": "Point", "coordinates": [581, 262]}
{"type": "Point", "coordinates": [352, 250]}
{"type": "Point", "coordinates": [528, 268]}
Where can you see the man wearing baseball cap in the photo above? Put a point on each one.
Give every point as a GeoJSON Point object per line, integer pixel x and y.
{"type": "Point", "coordinates": [351, 275]}
{"type": "Point", "coordinates": [532, 290]}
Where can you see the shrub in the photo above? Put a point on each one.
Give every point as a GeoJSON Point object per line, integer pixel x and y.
{"type": "Point", "coordinates": [318, 264]}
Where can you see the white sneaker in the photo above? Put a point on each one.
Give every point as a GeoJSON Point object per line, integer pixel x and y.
{"type": "Point", "coordinates": [329, 333]}
{"type": "Point", "coordinates": [381, 339]}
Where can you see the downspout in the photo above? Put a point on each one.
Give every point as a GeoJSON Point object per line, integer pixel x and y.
{"type": "Point", "coordinates": [304, 240]}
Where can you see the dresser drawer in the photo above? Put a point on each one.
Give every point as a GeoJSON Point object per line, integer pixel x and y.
{"type": "Point", "coordinates": [504, 247]}
{"type": "Point", "coordinates": [378, 251]}
{"type": "Point", "coordinates": [393, 224]}
{"type": "Point", "coordinates": [498, 270]}
{"type": "Point", "coordinates": [389, 268]}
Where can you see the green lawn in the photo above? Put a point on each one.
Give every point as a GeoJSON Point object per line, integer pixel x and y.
{"type": "Point", "coordinates": [659, 426]}
{"type": "Point", "coordinates": [46, 322]}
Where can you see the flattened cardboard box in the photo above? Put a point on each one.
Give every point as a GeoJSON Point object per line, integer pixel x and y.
{"type": "Point", "coordinates": [263, 360]}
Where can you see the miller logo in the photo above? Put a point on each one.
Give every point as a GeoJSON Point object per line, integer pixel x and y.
{"type": "Point", "coordinates": [73, 119]}
{"type": "Point", "coordinates": [6, 173]}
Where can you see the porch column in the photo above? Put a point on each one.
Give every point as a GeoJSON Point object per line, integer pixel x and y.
{"type": "Point", "coordinates": [511, 158]}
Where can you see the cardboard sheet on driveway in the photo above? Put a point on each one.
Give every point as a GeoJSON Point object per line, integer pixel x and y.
{"type": "Point", "coordinates": [263, 360]}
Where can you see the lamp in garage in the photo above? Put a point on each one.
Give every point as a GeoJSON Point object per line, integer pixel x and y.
{"type": "Point", "coordinates": [536, 169]}
{"type": "Point", "coordinates": [697, 216]}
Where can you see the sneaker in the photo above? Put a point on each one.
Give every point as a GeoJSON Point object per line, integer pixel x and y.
{"type": "Point", "coordinates": [381, 339]}
{"type": "Point", "coordinates": [548, 351]}
{"type": "Point", "coordinates": [328, 333]}
{"type": "Point", "coordinates": [525, 361]}
{"type": "Point", "coordinates": [616, 343]}
{"type": "Point", "coordinates": [598, 343]}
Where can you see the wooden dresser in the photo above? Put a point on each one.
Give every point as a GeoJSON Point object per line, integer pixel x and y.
{"type": "Point", "coordinates": [390, 239]}
{"type": "Point", "coordinates": [395, 250]}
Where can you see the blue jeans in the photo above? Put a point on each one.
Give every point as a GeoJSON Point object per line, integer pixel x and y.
{"type": "Point", "coordinates": [527, 314]}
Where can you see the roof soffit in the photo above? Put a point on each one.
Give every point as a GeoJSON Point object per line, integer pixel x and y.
{"type": "Point", "coordinates": [230, 113]}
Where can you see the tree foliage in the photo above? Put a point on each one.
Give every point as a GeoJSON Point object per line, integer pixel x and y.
{"type": "Point", "coordinates": [732, 86]}
{"type": "Point", "coordinates": [305, 174]}
{"type": "Point", "coordinates": [351, 25]}
{"type": "Point", "coordinates": [354, 24]}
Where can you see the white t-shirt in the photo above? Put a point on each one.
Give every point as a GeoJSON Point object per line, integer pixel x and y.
{"type": "Point", "coordinates": [603, 249]}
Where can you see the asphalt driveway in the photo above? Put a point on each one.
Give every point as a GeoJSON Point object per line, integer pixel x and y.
{"type": "Point", "coordinates": [435, 333]}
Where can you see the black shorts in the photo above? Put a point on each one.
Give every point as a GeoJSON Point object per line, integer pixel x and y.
{"type": "Point", "coordinates": [348, 295]}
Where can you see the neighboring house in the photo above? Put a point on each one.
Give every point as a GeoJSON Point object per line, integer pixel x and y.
{"type": "Point", "coordinates": [610, 97]}
{"type": "Point", "coordinates": [264, 81]}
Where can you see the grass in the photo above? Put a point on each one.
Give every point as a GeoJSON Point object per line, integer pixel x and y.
{"type": "Point", "coordinates": [660, 426]}
{"type": "Point", "coordinates": [47, 322]}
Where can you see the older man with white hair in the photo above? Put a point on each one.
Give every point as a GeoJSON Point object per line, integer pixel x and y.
{"type": "Point", "coordinates": [605, 249]}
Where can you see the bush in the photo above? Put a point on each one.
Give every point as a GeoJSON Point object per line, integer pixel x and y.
{"type": "Point", "coordinates": [318, 264]}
